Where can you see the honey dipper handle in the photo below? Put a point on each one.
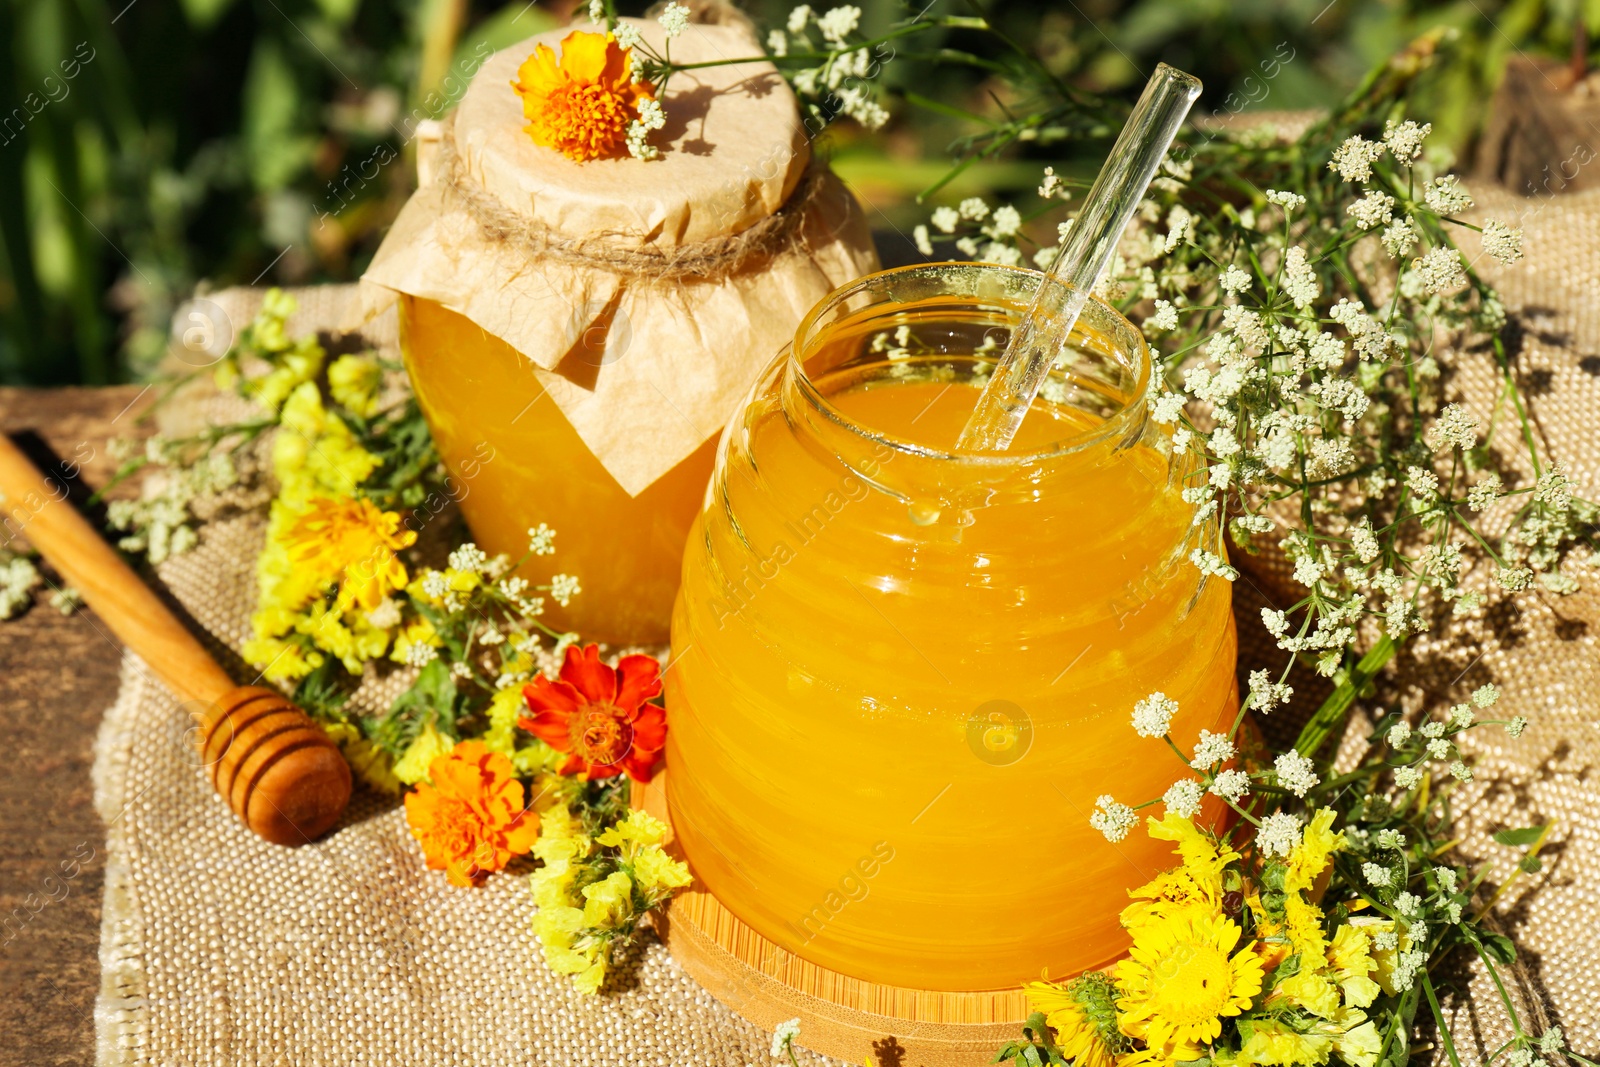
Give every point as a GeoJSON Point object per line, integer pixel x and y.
{"type": "Point", "coordinates": [39, 510]}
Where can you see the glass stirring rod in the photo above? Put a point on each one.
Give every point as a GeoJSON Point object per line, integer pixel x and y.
{"type": "Point", "coordinates": [1038, 339]}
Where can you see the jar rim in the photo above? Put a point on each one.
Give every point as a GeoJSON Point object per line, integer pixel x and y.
{"type": "Point", "coordinates": [1127, 339]}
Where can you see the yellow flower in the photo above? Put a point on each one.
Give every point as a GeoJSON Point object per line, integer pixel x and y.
{"type": "Point", "coordinates": [354, 380]}
{"type": "Point", "coordinates": [418, 631]}
{"type": "Point", "coordinates": [1358, 1041]}
{"type": "Point", "coordinates": [1310, 990]}
{"type": "Point", "coordinates": [1307, 861]}
{"type": "Point", "coordinates": [1182, 977]}
{"type": "Point", "coordinates": [370, 763]}
{"type": "Point", "coordinates": [658, 873]}
{"type": "Point", "coordinates": [1083, 1015]}
{"type": "Point", "coordinates": [1196, 885]}
{"type": "Point", "coordinates": [280, 660]}
{"type": "Point", "coordinates": [412, 766]}
{"type": "Point", "coordinates": [314, 453]}
{"type": "Point", "coordinates": [505, 708]}
{"type": "Point", "coordinates": [1273, 1044]}
{"type": "Point", "coordinates": [1302, 879]}
{"type": "Point", "coordinates": [582, 105]}
{"type": "Point", "coordinates": [1350, 960]}
{"type": "Point", "coordinates": [352, 542]}
{"type": "Point", "coordinates": [608, 903]}
{"type": "Point", "coordinates": [638, 828]}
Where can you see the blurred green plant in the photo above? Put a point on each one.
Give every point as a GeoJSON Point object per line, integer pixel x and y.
{"type": "Point", "coordinates": [150, 146]}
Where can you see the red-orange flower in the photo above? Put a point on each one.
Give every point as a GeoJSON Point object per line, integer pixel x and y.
{"type": "Point", "coordinates": [470, 819]}
{"type": "Point", "coordinates": [582, 105]}
{"type": "Point", "coordinates": [598, 715]}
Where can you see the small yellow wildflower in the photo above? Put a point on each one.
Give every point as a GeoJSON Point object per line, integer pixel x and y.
{"type": "Point", "coordinates": [280, 660]}
{"type": "Point", "coordinates": [1350, 960]}
{"type": "Point", "coordinates": [428, 745]}
{"type": "Point", "coordinates": [314, 453]}
{"type": "Point", "coordinates": [1273, 1044]}
{"type": "Point", "coordinates": [609, 902]}
{"type": "Point", "coordinates": [354, 380]}
{"type": "Point", "coordinates": [370, 763]}
{"type": "Point", "coordinates": [658, 873]}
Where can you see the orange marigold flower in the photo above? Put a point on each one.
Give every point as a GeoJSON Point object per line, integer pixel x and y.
{"type": "Point", "coordinates": [469, 815]}
{"type": "Point", "coordinates": [583, 105]}
{"type": "Point", "coordinates": [352, 542]}
{"type": "Point", "coordinates": [599, 715]}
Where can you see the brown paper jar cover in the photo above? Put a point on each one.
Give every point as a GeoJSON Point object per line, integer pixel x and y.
{"type": "Point", "coordinates": [577, 333]}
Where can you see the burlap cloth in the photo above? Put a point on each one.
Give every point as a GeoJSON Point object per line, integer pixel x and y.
{"type": "Point", "coordinates": [219, 948]}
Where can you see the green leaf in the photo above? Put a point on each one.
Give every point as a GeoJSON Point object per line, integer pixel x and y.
{"type": "Point", "coordinates": [1521, 838]}
{"type": "Point", "coordinates": [1531, 864]}
{"type": "Point", "coordinates": [339, 11]}
{"type": "Point", "coordinates": [1499, 948]}
{"type": "Point", "coordinates": [204, 13]}
{"type": "Point", "coordinates": [277, 151]}
{"type": "Point", "coordinates": [434, 691]}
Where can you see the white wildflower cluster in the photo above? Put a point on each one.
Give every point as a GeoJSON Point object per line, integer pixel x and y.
{"type": "Point", "coordinates": [841, 85]}
{"type": "Point", "coordinates": [1455, 427]}
{"type": "Point", "coordinates": [1279, 834]}
{"type": "Point", "coordinates": [1052, 188]}
{"type": "Point", "coordinates": [1163, 319]}
{"type": "Point", "coordinates": [1112, 819]}
{"type": "Point", "coordinates": [1211, 750]}
{"type": "Point", "coordinates": [651, 118]}
{"type": "Point", "coordinates": [1501, 242]}
{"type": "Point", "coordinates": [1400, 237]}
{"type": "Point", "coordinates": [1353, 159]}
{"type": "Point", "coordinates": [1404, 140]}
{"type": "Point", "coordinates": [1231, 785]}
{"type": "Point", "coordinates": [1152, 716]}
{"type": "Point", "coordinates": [159, 524]}
{"type": "Point", "coordinates": [1296, 773]}
{"type": "Point", "coordinates": [563, 587]}
{"type": "Point", "coordinates": [1439, 271]}
{"type": "Point", "coordinates": [1444, 195]}
{"type": "Point", "coordinates": [1290, 202]}
{"type": "Point", "coordinates": [783, 1036]}
{"type": "Point", "coordinates": [1299, 280]}
{"type": "Point", "coordinates": [1266, 694]}
{"type": "Point", "coordinates": [674, 19]}
{"type": "Point", "coordinates": [1372, 210]}
{"type": "Point", "coordinates": [1184, 797]}
{"type": "Point", "coordinates": [18, 579]}
{"type": "Point", "coordinates": [541, 540]}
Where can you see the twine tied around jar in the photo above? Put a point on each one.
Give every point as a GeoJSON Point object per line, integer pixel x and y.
{"type": "Point", "coordinates": [778, 233]}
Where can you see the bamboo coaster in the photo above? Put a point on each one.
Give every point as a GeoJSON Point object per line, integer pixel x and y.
{"type": "Point", "coordinates": [848, 1018]}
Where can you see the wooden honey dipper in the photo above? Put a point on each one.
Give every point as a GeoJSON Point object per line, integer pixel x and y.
{"type": "Point", "coordinates": [278, 770]}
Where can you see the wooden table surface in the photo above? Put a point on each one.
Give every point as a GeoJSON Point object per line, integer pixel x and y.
{"type": "Point", "coordinates": [58, 674]}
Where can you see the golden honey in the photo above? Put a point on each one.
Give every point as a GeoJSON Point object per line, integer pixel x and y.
{"type": "Point", "coordinates": [902, 674]}
{"type": "Point", "coordinates": [515, 462]}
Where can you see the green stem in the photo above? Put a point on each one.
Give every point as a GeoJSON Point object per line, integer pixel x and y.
{"type": "Point", "coordinates": [1333, 711]}
{"type": "Point", "coordinates": [1438, 1015]}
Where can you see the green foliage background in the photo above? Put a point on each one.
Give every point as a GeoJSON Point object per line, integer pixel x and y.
{"type": "Point", "coordinates": [151, 146]}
